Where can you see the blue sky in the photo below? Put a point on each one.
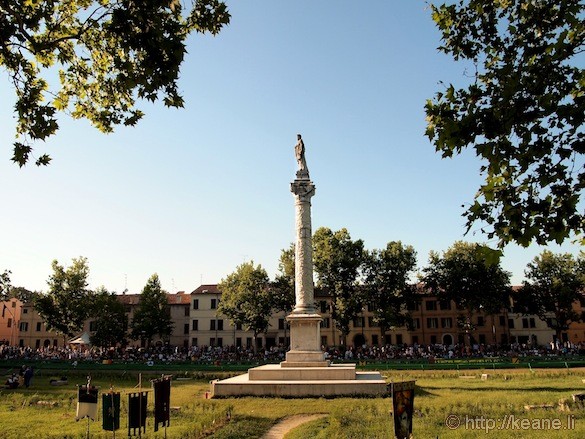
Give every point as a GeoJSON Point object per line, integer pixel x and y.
{"type": "Point", "coordinates": [192, 193]}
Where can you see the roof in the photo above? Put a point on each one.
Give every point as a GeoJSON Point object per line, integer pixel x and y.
{"type": "Point", "coordinates": [206, 289]}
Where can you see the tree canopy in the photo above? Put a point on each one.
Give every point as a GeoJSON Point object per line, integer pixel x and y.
{"type": "Point", "coordinates": [95, 59]}
{"type": "Point", "coordinates": [110, 319]}
{"type": "Point", "coordinates": [387, 287]}
{"type": "Point", "coordinates": [523, 113]}
{"type": "Point", "coordinates": [553, 283]}
{"type": "Point", "coordinates": [338, 260]}
{"type": "Point", "coordinates": [464, 275]}
{"type": "Point", "coordinates": [246, 298]}
{"type": "Point", "coordinates": [153, 314]}
{"type": "Point", "coordinates": [67, 303]}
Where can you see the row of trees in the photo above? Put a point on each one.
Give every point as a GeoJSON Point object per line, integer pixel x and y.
{"type": "Point", "coordinates": [469, 274]}
{"type": "Point", "coordinates": [68, 303]}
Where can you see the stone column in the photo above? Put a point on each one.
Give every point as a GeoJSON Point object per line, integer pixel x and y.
{"type": "Point", "coordinates": [305, 330]}
{"type": "Point", "coordinates": [303, 190]}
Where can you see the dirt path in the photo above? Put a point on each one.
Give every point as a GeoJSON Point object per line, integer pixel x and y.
{"type": "Point", "coordinates": [288, 423]}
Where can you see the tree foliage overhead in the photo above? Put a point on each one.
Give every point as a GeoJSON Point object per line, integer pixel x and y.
{"type": "Point", "coordinates": [338, 261]}
{"type": "Point", "coordinates": [553, 283]}
{"type": "Point", "coordinates": [68, 302]}
{"type": "Point", "coordinates": [387, 287]}
{"type": "Point", "coordinates": [246, 298]}
{"type": "Point", "coordinates": [153, 314]}
{"type": "Point", "coordinates": [523, 113]}
{"type": "Point", "coordinates": [107, 54]}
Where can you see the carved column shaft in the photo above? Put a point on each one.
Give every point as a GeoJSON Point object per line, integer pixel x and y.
{"type": "Point", "coordinates": [304, 290]}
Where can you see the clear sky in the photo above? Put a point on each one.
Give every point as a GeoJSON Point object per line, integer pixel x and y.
{"type": "Point", "coordinates": [192, 193]}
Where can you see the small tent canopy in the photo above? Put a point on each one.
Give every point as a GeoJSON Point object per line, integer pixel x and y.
{"type": "Point", "coordinates": [82, 339]}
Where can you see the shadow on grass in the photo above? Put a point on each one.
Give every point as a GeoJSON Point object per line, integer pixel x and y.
{"type": "Point", "coordinates": [244, 427]}
{"type": "Point", "coordinates": [507, 389]}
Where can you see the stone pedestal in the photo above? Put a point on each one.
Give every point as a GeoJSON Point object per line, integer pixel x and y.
{"type": "Point", "coordinates": [305, 337]}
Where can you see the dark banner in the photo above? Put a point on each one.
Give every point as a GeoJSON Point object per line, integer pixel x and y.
{"type": "Point", "coordinates": [403, 407]}
{"type": "Point", "coordinates": [111, 411]}
{"type": "Point", "coordinates": [137, 403]}
{"type": "Point", "coordinates": [162, 402]}
{"type": "Point", "coordinates": [87, 402]}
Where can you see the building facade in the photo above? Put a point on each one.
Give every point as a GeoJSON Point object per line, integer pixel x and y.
{"type": "Point", "coordinates": [196, 322]}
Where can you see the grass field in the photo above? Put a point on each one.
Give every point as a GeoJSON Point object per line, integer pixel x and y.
{"type": "Point", "coordinates": [493, 408]}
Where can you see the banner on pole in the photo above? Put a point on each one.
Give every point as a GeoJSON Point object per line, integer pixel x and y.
{"type": "Point", "coordinates": [403, 407]}
{"type": "Point", "coordinates": [87, 402]}
{"type": "Point", "coordinates": [137, 403]}
{"type": "Point", "coordinates": [111, 411]}
{"type": "Point", "coordinates": [162, 402]}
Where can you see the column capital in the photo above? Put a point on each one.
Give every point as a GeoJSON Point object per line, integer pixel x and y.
{"type": "Point", "coordinates": [304, 189]}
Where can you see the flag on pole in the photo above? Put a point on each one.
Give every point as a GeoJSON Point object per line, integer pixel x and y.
{"type": "Point", "coordinates": [111, 411]}
{"type": "Point", "coordinates": [162, 402]}
{"type": "Point", "coordinates": [87, 402]}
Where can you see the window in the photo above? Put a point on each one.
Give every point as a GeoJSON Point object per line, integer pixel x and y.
{"type": "Point", "coordinates": [502, 321]}
{"type": "Point", "coordinates": [23, 327]}
{"type": "Point", "coordinates": [325, 323]}
{"type": "Point", "coordinates": [195, 303]}
{"type": "Point", "coordinates": [216, 325]}
{"type": "Point", "coordinates": [39, 326]}
{"type": "Point", "coordinates": [195, 325]}
{"type": "Point", "coordinates": [25, 310]}
{"type": "Point", "coordinates": [220, 342]}
{"type": "Point", "coordinates": [359, 322]}
{"type": "Point", "coordinates": [431, 305]}
{"type": "Point", "coordinates": [398, 338]}
{"type": "Point", "coordinates": [371, 307]}
{"type": "Point", "coordinates": [511, 323]}
{"type": "Point", "coordinates": [219, 326]}
{"type": "Point", "coordinates": [194, 341]}
{"type": "Point", "coordinates": [414, 339]}
{"type": "Point", "coordinates": [186, 328]}
{"type": "Point", "coordinates": [372, 323]}
{"type": "Point", "coordinates": [480, 321]}
{"type": "Point", "coordinates": [13, 305]}
{"type": "Point", "coordinates": [445, 305]}
{"type": "Point", "coordinates": [37, 344]}
{"type": "Point", "coordinates": [323, 306]}
{"type": "Point", "coordinates": [323, 340]}
{"type": "Point", "coordinates": [433, 339]}
{"type": "Point", "coordinates": [238, 326]}
{"type": "Point", "coordinates": [532, 322]}
{"type": "Point", "coordinates": [280, 323]}
{"type": "Point", "coordinates": [432, 323]}
{"type": "Point", "coordinates": [212, 326]}
{"type": "Point", "coordinates": [214, 303]}
{"type": "Point", "coordinates": [415, 323]}
{"type": "Point", "coordinates": [186, 314]}
{"type": "Point", "coordinates": [387, 339]}
{"type": "Point", "coordinates": [248, 342]}
{"type": "Point", "coordinates": [446, 322]}
{"type": "Point", "coordinates": [239, 342]}
{"type": "Point", "coordinates": [525, 323]}
{"type": "Point", "coordinates": [375, 340]}
{"type": "Point", "coordinates": [9, 323]}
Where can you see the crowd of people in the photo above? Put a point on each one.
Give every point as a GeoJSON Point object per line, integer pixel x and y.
{"type": "Point", "coordinates": [233, 354]}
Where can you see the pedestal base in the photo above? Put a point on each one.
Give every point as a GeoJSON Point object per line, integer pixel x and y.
{"type": "Point", "coordinates": [277, 381]}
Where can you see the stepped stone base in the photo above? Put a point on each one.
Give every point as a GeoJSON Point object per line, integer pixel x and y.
{"type": "Point", "coordinates": [274, 380]}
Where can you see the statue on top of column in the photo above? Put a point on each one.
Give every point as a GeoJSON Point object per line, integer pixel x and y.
{"type": "Point", "coordinates": [303, 171]}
